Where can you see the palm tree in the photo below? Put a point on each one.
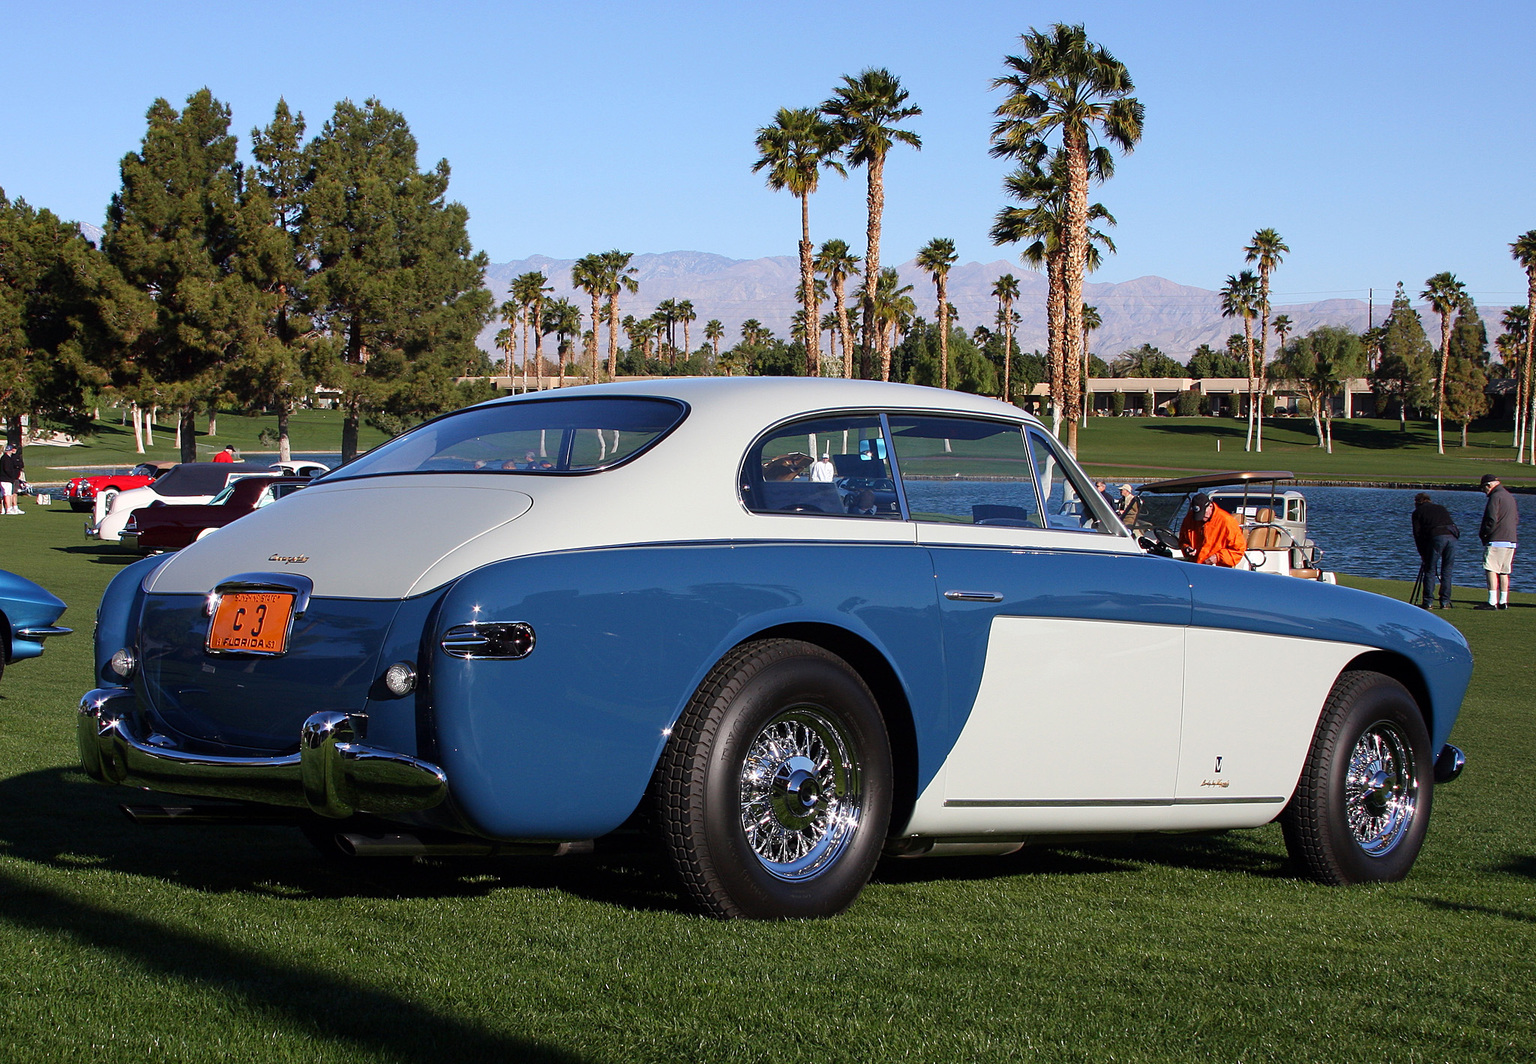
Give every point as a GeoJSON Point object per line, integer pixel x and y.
{"type": "Point", "coordinates": [893, 305]}
{"type": "Point", "coordinates": [1067, 84]}
{"type": "Point", "coordinates": [1523, 251]}
{"type": "Point", "coordinates": [1240, 299]}
{"type": "Point", "coordinates": [683, 311]}
{"type": "Point", "coordinates": [1445, 295]}
{"type": "Point", "coordinates": [1091, 321]}
{"type": "Point", "coordinates": [794, 150]}
{"type": "Point", "coordinates": [935, 258]}
{"type": "Point", "coordinates": [1042, 221]}
{"type": "Point", "coordinates": [589, 274]}
{"type": "Point", "coordinates": [1511, 343]}
{"type": "Point", "coordinates": [713, 331]}
{"type": "Point", "coordinates": [563, 318]}
{"type": "Point", "coordinates": [865, 110]}
{"type": "Point", "coordinates": [1267, 251]}
{"type": "Point", "coordinates": [506, 340]}
{"type": "Point", "coordinates": [753, 332]}
{"type": "Point", "coordinates": [835, 262]}
{"type": "Point", "coordinates": [617, 272]}
{"type": "Point", "coordinates": [1006, 290]}
{"type": "Point", "coordinates": [665, 317]}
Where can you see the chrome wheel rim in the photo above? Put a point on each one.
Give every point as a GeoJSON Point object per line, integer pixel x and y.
{"type": "Point", "coordinates": [800, 794]}
{"type": "Point", "coordinates": [1381, 790]}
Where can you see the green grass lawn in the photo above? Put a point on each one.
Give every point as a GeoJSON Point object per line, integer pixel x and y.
{"type": "Point", "coordinates": [127, 943]}
{"type": "Point", "coordinates": [111, 443]}
{"type": "Point", "coordinates": [1365, 451]}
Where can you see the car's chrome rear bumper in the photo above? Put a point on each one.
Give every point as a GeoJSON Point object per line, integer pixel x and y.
{"type": "Point", "coordinates": [331, 774]}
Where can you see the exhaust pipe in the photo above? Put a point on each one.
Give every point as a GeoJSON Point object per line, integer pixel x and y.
{"type": "Point", "coordinates": [403, 845]}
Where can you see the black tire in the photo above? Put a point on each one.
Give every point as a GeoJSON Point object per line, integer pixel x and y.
{"type": "Point", "coordinates": [787, 736]}
{"type": "Point", "coordinates": [1362, 804]}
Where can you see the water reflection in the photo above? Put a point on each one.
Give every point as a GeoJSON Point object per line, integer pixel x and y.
{"type": "Point", "coordinates": [1366, 532]}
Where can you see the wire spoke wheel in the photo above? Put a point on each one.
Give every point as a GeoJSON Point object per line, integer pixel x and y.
{"type": "Point", "coordinates": [774, 790]}
{"type": "Point", "coordinates": [1381, 790]}
{"type": "Point", "coordinates": [1361, 806]}
{"type": "Point", "coordinates": [800, 798]}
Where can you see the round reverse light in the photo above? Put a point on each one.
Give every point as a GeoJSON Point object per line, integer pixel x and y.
{"type": "Point", "coordinates": [123, 664]}
{"type": "Point", "coordinates": [400, 678]}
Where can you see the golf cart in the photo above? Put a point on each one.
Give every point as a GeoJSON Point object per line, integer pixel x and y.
{"type": "Point", "coordinates": [1273, 518]}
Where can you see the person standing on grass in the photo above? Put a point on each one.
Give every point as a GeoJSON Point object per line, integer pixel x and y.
{"type": "Point", "coordinates": [12, 476]}
{"type": "Point", "coordinates": [1435, 535]}
{"type": "Point", "coordinates": [1501, 526]}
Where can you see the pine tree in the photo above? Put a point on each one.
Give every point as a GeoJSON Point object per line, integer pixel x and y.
{"type": "Point", "coordinates": [65, 317]}
{"type": "Point", "coordinates": [396, 283]}
{"type": "Point", "coordinates": [173, 231]}
{"type": "Point", "coordinates": [1405, 369]}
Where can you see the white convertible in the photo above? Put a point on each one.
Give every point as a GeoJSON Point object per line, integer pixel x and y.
{"type": "Point", "coordinates": [789, 625]}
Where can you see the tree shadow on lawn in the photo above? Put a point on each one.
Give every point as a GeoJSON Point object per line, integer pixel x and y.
{"type": "Point", "coordinates": [320, 1004]}
{"type": "Point", "coordinates": [1229, 851]}
{"type": "Point", "coordinates": [1364, 437]}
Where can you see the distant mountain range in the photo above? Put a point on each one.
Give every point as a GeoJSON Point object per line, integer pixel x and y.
{"type": "Point", "coordinates": [1172, 317]}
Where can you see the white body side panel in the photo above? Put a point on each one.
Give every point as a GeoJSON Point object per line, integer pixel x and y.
{"type": "Point", "coordinates": [1042, 729]}
{"type": "Point", "coordinates": [1083, 758]}
{"type": "Point", "coordinates": [1253, 702]}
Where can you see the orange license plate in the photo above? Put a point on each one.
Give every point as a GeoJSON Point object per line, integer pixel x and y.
{"type": "Point", "coordinates": [251, 622]}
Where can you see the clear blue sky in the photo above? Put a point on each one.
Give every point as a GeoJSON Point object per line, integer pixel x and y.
{"type": "Point", "coordinates": [1385, 141]}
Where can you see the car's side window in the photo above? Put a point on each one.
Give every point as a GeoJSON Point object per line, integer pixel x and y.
{"type": "Point", "coordinates": [1069, 502]}
{"type": "Point", "coordinates": [830, 465]}
{"type": "Point", "coordinates": [964, 471]}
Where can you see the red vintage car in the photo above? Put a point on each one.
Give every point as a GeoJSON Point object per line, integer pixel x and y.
{"type": "Point", "coordinates": [82, 491]}
{"type": "Point", "coordinates": [158, 527]}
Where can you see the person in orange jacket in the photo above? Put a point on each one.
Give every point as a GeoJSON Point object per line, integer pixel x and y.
{"type": "Point", "coordinates": [1210, 535]}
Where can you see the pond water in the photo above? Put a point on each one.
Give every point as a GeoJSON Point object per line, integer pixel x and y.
{"type": "Point", "coordinates": [1366, 532]}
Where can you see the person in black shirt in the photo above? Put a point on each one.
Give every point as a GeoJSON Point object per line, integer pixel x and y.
{"type": "Point", "coordinates": [12, 477]}
{"type": "Point", "coordinates": [1435, 535]}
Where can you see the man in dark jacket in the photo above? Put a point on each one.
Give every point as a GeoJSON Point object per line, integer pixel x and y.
{"type": "Point", "coordinates": [1434, 534]}
{"type": "Point", "coordinates": [1501, 526]}
{"type": "Point", "coordinates": [12, 477]}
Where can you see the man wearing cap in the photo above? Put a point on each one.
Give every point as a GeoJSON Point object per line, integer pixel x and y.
{"type": "Point", "coordinates": [1210, 535]}
{"type": "Point", "coordinates": [12, 477]}
{"type": "Point", "coordinates": [1501, 525]}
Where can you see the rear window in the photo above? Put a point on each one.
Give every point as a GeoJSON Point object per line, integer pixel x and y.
{"type": "Point", "coordinates": [547, 436]}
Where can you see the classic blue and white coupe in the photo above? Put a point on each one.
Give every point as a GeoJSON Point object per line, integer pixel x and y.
{"type": "Point", "coordinates": [796, 624]}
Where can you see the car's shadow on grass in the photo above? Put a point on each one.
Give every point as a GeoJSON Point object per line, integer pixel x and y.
{"type": "Point", "coordinates": [1232, 851]}
{"type": "Point", "coordinates": [99, 556]}
{"type": "Point", "coordinates": [58, 818]}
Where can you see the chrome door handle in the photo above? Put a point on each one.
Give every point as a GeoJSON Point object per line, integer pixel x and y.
{"type": "Point", "coordinates": [973, 596]}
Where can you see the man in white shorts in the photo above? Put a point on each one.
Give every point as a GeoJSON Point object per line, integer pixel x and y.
{"type": "Point", "coordinates": [1500, 529]}
{"type": "Point", "coordinates": [12, 476]}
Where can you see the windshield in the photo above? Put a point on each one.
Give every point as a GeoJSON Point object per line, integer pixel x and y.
{"type": "Point", "coordinates": [540, 436]}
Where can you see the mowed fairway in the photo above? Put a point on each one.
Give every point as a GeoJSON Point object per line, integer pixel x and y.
{"type": "Point", "coordinates": [126, 943]}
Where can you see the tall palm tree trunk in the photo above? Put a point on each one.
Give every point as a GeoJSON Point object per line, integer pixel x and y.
{"type": "Point", "coordinates": [1252, 379]}
{"type": "Point", "coordinates": [1075, 143]}
{"type": "Point", "coordinates": [875, 199]}
{"type": "Point", "coordinates": [808, 293]}
{"type": "Point", "coordinates": [845, 331]}
{"type": "Point", "coordinates": [1055, 311]}
{"type": "Point", "coordinates": [943, 332]}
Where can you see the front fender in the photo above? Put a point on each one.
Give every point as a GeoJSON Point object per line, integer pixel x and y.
{"type": "Point", "coordinates": [562, 743]}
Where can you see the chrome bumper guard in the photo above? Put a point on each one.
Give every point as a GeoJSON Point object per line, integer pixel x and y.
{"type": "Point", "coordinates": [332, 775]}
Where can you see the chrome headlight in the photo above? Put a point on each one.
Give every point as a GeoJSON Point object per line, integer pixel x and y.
{"type": "Point", "coordinates": [123, 664]}
{"type": "Point", "coordinates": [400, 678]}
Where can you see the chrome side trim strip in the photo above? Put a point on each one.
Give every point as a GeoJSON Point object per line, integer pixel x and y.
{"type": "Point", "coordinates": [42, 631]}
{"type": "Point", "coordinates": [331, 774]}
{"type": "Point", "coordinates": [1081, 803]}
